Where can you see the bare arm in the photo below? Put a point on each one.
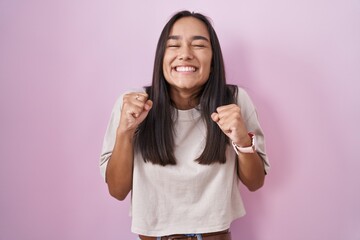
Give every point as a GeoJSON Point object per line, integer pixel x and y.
{"type": "Point", "coordinates": [119, 169]}
{"type": "Point", "coordinates": [136, 107]}
{"type": "Point", "coordinates": [250, 165]}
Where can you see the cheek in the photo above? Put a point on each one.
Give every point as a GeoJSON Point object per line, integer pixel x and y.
{"type": "Point", "coordinates": [207, 58]}
{"type": "Point", "coordinates": [166, 61]}
{"type": "Point", "coordinates": [207, 64]}
{"type": "Point", "coordinates": [166, 68]}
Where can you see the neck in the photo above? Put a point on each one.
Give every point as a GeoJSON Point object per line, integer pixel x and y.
{"type": "Point", "coordinates": [184, 100]}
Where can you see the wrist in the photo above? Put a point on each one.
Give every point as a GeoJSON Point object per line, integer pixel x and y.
{"type": "Point", "coordinates": [245, 147]}
{"type": "Point", "coordinates": [245, 141]}
{"type": "Point", "coordinates": [125, 134]}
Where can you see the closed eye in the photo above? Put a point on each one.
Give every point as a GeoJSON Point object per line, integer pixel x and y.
{"type": "Point", "coordinates": [198, 45]}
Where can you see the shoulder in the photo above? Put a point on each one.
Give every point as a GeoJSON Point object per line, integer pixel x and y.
{"type": "Point", "coordinates": [241, 96]}
{"type": "Point", "coordinates": [237, 92]}
{"type": "Point", "coordinates": [244, 101]}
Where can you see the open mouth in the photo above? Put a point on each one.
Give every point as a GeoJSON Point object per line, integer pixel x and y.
{"type": "Point", "coordinates": [185, 69]}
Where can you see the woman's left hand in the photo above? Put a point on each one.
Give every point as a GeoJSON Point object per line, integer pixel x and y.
{"type": "Point", "coordinates": [231, 122]}
{"type": "Point", "coordinates": [251, 167]}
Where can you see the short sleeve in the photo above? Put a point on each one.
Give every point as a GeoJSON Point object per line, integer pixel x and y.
{"type": "Point", "coordinates": [110, 136]}
{"type": "Point", "coordinates": [250, 116]}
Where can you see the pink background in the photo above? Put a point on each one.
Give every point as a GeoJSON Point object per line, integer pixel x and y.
{"type": "Point", "coordinates": [63, 64]}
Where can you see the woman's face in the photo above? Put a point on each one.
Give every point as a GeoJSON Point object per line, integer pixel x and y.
{"type": "Point", "coordinates": [188, 54]}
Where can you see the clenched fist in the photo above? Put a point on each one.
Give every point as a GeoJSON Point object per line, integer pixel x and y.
{"type": "Point", "coordinates": [231, 122]}
{"type": "Point", "coordinates": [135, 108]}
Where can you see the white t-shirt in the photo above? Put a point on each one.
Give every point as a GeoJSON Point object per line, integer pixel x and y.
{"type": "Point", "coordinates": [186, 197]}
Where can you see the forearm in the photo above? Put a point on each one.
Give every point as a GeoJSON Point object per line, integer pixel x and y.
{"type": "Point", "coordinates": [251, 170]}
{"type": "Point", "coordinates": [120, 167]}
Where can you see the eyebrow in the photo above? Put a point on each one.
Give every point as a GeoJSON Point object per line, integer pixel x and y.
{"type": "Point", "coordinates": [196, 37]}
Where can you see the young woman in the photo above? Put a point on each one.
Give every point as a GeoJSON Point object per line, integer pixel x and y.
{"type": "Point", "coordinates": [182, 144]}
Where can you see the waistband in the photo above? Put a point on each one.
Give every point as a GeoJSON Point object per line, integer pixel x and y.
{"type": "Point", "coordinates": [222, 235]}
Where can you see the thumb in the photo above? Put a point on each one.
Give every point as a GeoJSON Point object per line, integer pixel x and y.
{"type": "Point", "coordinates": [148, 105]}
{"type": "Point", "coordinates": [215, 117]}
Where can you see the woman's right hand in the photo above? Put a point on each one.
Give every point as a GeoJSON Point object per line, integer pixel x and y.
{"type": "Point", "coordinates": [135, 109]}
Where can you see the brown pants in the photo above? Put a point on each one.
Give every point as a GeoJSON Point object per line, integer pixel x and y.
{"type": "Point", "coordinates": [223, 235]}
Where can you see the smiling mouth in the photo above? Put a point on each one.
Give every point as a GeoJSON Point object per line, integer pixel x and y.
{"type": "Point", "coordinates": [185, 69]}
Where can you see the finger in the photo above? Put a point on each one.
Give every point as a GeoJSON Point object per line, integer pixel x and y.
{"type": "Point", "coordinates": [215, 117]}
{"type": "Point", "coordinates": [225, 108]}
{"type": "Point", "coordinates": [134, 103]}
{"type": "Point", "coordinates": [228, 112]}
{"type": "Point", "coordinates": [142, 97]}
{"type": "Point", "coordinates": [148, 105]}
{"type": "Point", "coordinates": [219, 120]}
{"type": "Point", "coordinates": [144, 113]}
{"type": "Point", "coordinates": [227, 124]}
{"type": "Point", "coordinates": [134, 111]}
{"type": "Point", "coordinates": [224, 128]}
{"type": "Point", "coordinates": [137, 109]}
{"type": "Point", "coordinates": [135, 97]}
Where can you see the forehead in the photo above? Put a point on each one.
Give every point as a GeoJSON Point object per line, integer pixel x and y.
{"type": "Point", "coordinates": [188, 27]}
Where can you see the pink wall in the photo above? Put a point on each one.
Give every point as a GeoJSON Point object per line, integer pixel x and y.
{"type": "Point", "coordinates": [63, 64]}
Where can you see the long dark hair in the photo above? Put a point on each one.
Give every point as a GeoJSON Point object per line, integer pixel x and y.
{"type": "Point", "coordinates": [155, 135]}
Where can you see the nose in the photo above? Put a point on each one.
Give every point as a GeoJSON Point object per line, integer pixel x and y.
{"type": "Point", "coordinates": [185, 53]}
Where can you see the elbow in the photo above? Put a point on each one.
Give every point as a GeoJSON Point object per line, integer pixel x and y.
{"type": "Point", "coordinates": [119, 194]}
{"type": "Point", "coordinates": [255, 187]}
{"type": "Point", "coordinates": [256, 184]}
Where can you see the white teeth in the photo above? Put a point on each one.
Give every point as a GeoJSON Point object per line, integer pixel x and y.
{"type": "Point", "coordinates": [185, 69]}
